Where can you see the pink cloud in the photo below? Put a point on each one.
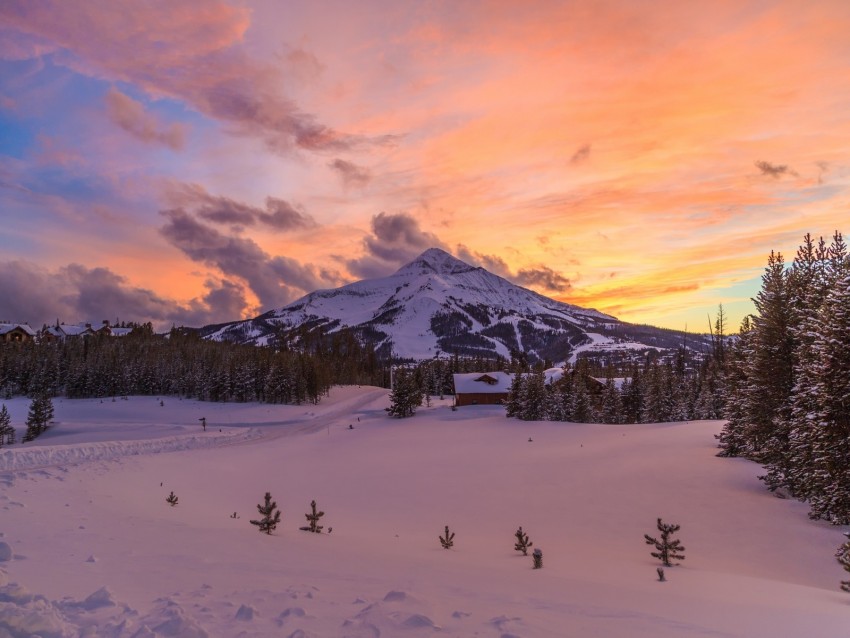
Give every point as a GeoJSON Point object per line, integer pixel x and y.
{"type": "Point", "coordinates": [131, 116]}
{"type": "Point", "coordinates": [195, 55]}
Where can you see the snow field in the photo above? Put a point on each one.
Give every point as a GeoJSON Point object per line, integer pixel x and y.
{"type": "Point", "coordinates": [585, 494]}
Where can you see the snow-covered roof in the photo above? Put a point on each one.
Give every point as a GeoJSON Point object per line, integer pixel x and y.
{"type": "Point", "coordinates": [75, 330]}
{"type": "Point", "coordinates": [482, 382]}
{"type": "Point", "coordinates": [8, 327]}
{"type": "Point", "coordinates": [120, 332]}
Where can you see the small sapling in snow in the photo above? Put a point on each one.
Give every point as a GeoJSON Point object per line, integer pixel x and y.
{"type": "Point", "coordinates": [522, 543]}
{"type": "Point", "coordinates": [313, 519]}
{"type": "Point", "coordinates": [447, 541]}
{"type": "Point", "coordinates": [537, 557]}
{"type": "Point", "coordinates": [171, 499]}
{"type": "Point", "coordinates": [270, 515]}
{"type": "Point", "coordinates": [668, 548]}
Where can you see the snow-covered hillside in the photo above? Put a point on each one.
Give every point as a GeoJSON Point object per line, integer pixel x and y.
{"type": "Point", "coordinates": [96, 551]}
{"type": "Point", "coordinates": [438, 303]}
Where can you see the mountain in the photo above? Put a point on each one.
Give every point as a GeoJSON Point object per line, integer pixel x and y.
{"type": "Point", "coordinates": [440, 304]}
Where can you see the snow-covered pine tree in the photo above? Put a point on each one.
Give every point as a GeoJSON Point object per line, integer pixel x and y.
{"type": "Point", "coordinates": [516, 393]}
{"type": "Point", "coordinates": [5, 425]}
{"type": "Point", "coordinates": [532, 407]}
{"type": "Point", "coordinates": [537, 558]}
{"type": "Point", "coordinates": [808, 287]}
{"type": "Point", "coordinates": [829, 476]}
{"type": "Point", "coordinates": [270, 515]}
{"type": "Point", "coordinates": [405, 395]}
{"type": "Point", "coordinates": [843, 558]}
{"type": "Point", "coordinates": [39, 415]}
{"type": "Point", "coordinates": [668, 548]}
{"type": "Point", "coordinates": [313, 520]}
{"type": "Point", "coordinates": [732, 438]}
{"type": "Point", "coordinates": [632, 396]}
{"type": "Point", "coordinates": [611, 400]}
{"type": "Point", "coordinates": [448, 540]}
{"type": "Point", "coordinates": [581, 404]}
{"type": "Point", "coordinates": [769, 366]}
{"type": "Point", "coordinates": [522, 543]}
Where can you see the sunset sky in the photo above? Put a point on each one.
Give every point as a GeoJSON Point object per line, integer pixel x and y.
{"type": "Point", "coordinates": [190, 162]}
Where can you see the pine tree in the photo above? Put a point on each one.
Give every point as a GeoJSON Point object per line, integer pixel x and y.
{"type": "Point", "coordinates": [39, 415]}
{"type": "Point", "coordinates": [516, 396]}
{"type": "Point", "coordinates": [171, 499]}
{"type": "Point", "coordinates": [828, 440]}
{"type": "Point", "coordinates": [522, 543]}
{"type": "Point", "coordinates": [313, 520]}
{"type": "Point", "coordinates": [537, 558]}
{"type": "Point", "coordinates": [405, 395]}
{"type": "Point", "coordinates": [732, 438]}
{"type": "Point", "coordinates": [270, 515]}
{"type": "Point", "coordinates": [447, 541]}
{"type": "Point", "coordinates": [770, 369]}
{"type": "Point", "coordinates": [611, 400]}
{"type": "Point", "coordinates": [668, 548]}
{"type": "Point", "coordinates": [6, 429]}
{"type": "Point", "coordinates": [843, 557]}
{"type": "Point", "coordinates": [532, 405]}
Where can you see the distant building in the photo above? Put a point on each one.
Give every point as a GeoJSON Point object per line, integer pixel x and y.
{"type": "Point", "coordinates": [16, 332]}
{"type": "Point", "coordinates": [62, 331]}
{"type": "Point", "coordinates": [476, 388]}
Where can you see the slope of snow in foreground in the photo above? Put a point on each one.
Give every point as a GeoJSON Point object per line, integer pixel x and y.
{"type": "Point", "coordinates": [93, 549]}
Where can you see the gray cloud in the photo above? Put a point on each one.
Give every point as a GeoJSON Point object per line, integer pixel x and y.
{"type": "Point", "coordinates": [540, 277]}
{"type": "Point", "coordinates": [395, 240]}
{"type": "Point", "coordinates": [774, 170]}
{"type": "Point", "coordinates": [351, 174]}
{"type": "Point", "coordinates": [275, 280]}
{"type": "Point", "coordinates": [278, 214]}
{"type": "Point", "coordinates": [73, 293]}
{"type": "Point", "coordinates": [581, 154]}
{"type": "Point", "coordinates": [544, 278]}
{"type": "Point", "coordinates": [131, 116]}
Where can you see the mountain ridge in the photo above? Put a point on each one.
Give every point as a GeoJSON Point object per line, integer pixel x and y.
{"type": "Point", "coordinates": [438, 304]}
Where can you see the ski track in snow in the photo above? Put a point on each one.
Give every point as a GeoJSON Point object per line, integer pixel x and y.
{"type": "Point", "coordinates": [40, 457]}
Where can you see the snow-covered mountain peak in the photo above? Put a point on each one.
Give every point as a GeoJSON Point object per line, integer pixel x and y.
{"type": "Point", "coordinates": [435, 260]}
{"type": "Point", "coordinates": [439, 304]}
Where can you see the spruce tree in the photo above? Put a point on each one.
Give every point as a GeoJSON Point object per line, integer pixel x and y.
{"type": "Point", "coordinates": [171, 499]}
{"type": "Point", "coordinates": [313, 520]}
{"type": "Point", "coordinates": [770, 369]}
{"type": "Point", "coordinates": [532, 404]}
{"type": "Point", "coordinates": [537, 558]}
{"type": "Point", "coordinates": [843, 558]}
{"type": "Point", "coordinates": [522, 543]}
{"type": "Point", "coordinates": [405, 395]}
{"type": "Point", "coordinates": [270, 515]}
{"type": "Point", "coordinates": [5, 426]}
{"type": "Point", "coordinates": [828, 441]}
{"type": "Point", "coordinates": [448, 540]}
{"type": "Point", "coordinates": [611, 400]}
{"type": "Point", "coordinates": [39, 415]}
{"type": "Point", "coordinates": [516, 396]}
{"type": "Point", "coordinates": [668, 548]}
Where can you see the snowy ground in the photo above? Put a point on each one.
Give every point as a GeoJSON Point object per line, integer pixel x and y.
{"type": "Point", "coordinates": [97, 551]}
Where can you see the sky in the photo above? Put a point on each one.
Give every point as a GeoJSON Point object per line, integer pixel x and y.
{"type": "Point", "coordinates": [188, 163]}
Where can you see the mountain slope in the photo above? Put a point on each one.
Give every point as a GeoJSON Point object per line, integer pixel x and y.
{"type": "Point", "coordinates": [440, 304]}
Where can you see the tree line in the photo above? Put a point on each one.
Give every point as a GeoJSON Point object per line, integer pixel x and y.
{"type": "Point", "coordinates": [181, 363]}
{"type": "Point", "coordinates": [683, 387]}
{"type": "Point", "coordinates": [788, 379]}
